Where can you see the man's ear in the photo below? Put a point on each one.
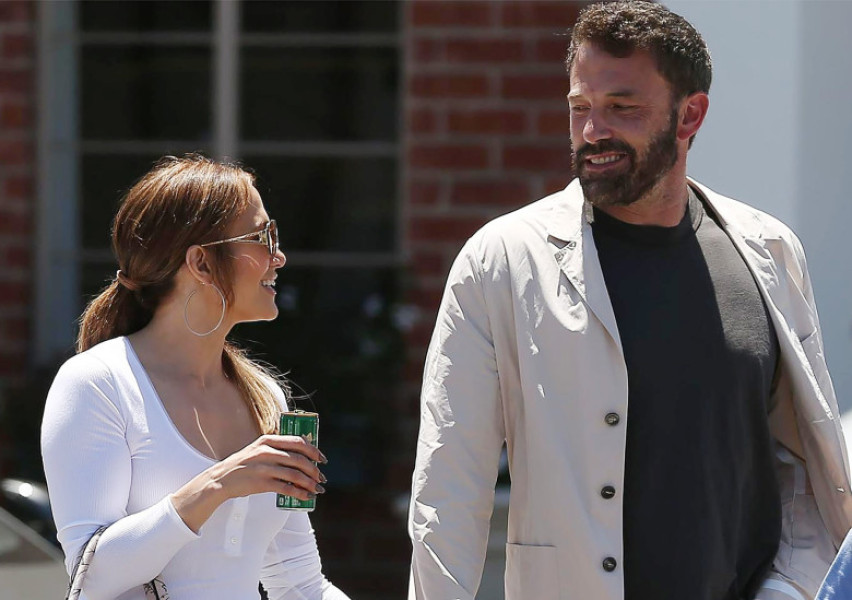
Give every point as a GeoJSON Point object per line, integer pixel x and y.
{"type": "Point", "coordinates": [198, 263]}
{"type": "Point", "coordinates": [693, 109]}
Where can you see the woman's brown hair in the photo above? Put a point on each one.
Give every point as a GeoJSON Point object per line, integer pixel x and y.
{"type": "Point", "coordinates": [178, 203]}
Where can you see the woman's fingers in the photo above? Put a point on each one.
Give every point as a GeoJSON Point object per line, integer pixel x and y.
{"type": "Point", "coordinates": [286, 476]}
{"type": "Point", "coordinates": [293, 443]}
{"type": "Point", "coordinates": [295, 461]}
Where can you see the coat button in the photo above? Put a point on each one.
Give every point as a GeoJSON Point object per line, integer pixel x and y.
{"type": "Point", "coordinates": [607, 492]}
{"type": "Point", "coordinates": [609, 564]}
{"type": "Point", "coordinates": [612, 418]}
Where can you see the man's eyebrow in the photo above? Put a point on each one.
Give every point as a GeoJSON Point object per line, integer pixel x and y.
{"type": "Point", "coordinates": [626, 93]}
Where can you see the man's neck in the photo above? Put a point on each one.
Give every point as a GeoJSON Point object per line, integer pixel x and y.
{"type": "Point", "coordinates": [663, 205]}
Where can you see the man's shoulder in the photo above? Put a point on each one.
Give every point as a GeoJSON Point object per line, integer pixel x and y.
{"type": "Point", "coordinates": [530, 222]}
{"type": "Point", "coordinates": [750, 221]}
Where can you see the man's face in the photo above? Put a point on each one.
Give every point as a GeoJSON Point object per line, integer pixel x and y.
{"type": "Point", "coordinates": [623, 125]}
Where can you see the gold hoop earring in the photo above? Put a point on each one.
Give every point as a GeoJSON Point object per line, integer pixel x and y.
{"type": "Point", "coordinates": [221, 317]}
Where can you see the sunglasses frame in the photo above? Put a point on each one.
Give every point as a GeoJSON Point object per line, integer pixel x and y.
{"type": "Point", "coordinates": [265, 237]}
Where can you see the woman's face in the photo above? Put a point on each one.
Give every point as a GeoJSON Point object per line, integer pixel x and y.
{"type": "Point", "coordinates": [253, 269]}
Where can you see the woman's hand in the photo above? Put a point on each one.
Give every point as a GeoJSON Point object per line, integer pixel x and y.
{"type": "Point", "coordinates": [272, 463]}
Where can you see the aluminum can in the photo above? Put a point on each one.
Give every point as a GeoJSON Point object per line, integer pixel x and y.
{"type": "Point", "coordinates": [306, 425]}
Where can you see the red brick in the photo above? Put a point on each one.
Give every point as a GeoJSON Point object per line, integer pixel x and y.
{"type": "Point", "coordinates": [552, 49]}
{"type": "Point", "coordinates": [14, 116]}
{"type": "Point", "coordinates": [423, 192]}
{"type": "Point", "coordinates": [448, 157]}
{"type": "Point", "coordinates": [14, 292]}
{"type": "Point", "coordinates": [426, 263]}
{"type": "Point", "coordinates": [529, 13]}
{"type": "Point", "coordinates": [489, 51]}
{"type": "Point", "coordinates": [17, 45]}
{"type": "Point", "coordinates": [490, 193]}
{"type": "Point", "coordinates": [12, 222]}
{"type": "Point", "coordinates": [487, 121]}
{"type": "Point", "coordinates": [537, 158]}
{"type": "Point", "coordinates": [449, 86]}
{"type": "Point", "coordinates": [535, 87]}
{"type": "Point", "coordinates": [554, 122]}
{"type": "Point", "coordinates": [445, 228]}
{"type": "Point", "coordinates": [12, 365]}
{"type": "Point", "coordinates": [15, 329]}
{"type": "Point", "coordinates": [554, 184]}
{"type": "Point", "coordinates": [428, 50]}
{"type": "Point", "coordinates": [422, 120]}
{"type": "Point", "coordinates": [16, 257]}
{"type": "Point", "coordinates": [14, 10]}
{"type": "Point", "coordinates": [15, 80]}
{"type": "Point", "coordinates": [19, 188]}
{"type": "Point", "coordinates": [15, 152]}
{"type": "Point", "coordinates": [441, 13]}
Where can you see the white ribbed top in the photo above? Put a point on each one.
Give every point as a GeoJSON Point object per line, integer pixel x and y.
{"type": "Point", "coordinates": [113, 456]}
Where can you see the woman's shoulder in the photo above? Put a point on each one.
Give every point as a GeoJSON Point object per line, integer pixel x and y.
{"type": "Point", "coordinates": [92, 369]}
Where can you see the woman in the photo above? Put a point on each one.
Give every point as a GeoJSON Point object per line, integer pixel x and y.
{"type": "Point", "coordinates": [160, 429]}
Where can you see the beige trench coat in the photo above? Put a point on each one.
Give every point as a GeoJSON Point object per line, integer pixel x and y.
{"type": "Point", "coordinates": [526, 349]}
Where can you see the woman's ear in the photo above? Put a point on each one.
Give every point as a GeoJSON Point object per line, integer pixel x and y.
{"type": "Point", "coordinates": [198, 264]}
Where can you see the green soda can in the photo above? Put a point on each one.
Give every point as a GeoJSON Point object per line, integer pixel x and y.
{"type": "Point", "coordinates": [306, 425]}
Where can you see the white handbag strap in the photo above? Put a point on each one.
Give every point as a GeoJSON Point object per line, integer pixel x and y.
{"type": "Point", "coordinates": [79, 572]}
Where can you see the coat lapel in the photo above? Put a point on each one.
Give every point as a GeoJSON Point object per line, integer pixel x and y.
{"type": "Point", "coordinates": [570, 235]}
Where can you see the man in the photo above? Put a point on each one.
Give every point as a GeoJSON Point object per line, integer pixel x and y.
{"type": "Point", "coordinates": [650, 353]}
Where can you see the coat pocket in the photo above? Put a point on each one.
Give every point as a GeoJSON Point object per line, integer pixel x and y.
{"type": "Point", "coordinates": [531, 572]}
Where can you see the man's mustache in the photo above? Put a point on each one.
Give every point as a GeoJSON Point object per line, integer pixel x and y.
{"type": "Point", "coordinates": [604, 146]}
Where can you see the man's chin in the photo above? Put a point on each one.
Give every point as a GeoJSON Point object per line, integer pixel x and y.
{"type": "Point", "coordinates": [602, 193]}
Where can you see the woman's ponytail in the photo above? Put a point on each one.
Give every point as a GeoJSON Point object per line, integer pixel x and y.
{"type": "Point", "coordinates": [115, 311]}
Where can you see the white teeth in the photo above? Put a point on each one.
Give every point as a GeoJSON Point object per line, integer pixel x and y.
{"type": "Point", "coordinates": [268, 283]}
{"type": "Point", "coordinates": [602, 160]}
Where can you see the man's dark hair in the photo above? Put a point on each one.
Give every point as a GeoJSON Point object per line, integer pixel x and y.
{"type": "Point", "coordinates": [620, 28]}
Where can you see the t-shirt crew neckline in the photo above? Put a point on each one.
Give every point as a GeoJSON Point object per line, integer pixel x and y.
{"type": "Point", "coordinates": [653, 235]}
{"type": "Point", "coordinates": [131, 353]}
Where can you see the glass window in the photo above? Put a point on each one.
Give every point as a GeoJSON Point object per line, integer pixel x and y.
{"type": "Point", "coordinates": [145, 93]}
{"type": "Point", "coordinates": [145, 15]}
{"type": "Point", "coordinates": [319, 93]}
{"type": "Point", "coordinates": [352, 16]}
{"type": "Point", "coordinates": [330, 203]}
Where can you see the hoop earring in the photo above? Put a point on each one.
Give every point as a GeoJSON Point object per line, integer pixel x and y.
{"type": "Point", "coordinates": [221, 317]}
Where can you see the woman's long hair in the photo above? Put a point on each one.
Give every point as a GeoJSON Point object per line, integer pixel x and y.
{"type": "Point", "coordinates": [178, 203]}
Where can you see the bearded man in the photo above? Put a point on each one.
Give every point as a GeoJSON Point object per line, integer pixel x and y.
{"type": "Point", "coordinates": [649, 351]}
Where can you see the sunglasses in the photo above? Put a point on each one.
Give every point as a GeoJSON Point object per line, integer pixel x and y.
{"type": "Point", "coordinates": [268, 236]}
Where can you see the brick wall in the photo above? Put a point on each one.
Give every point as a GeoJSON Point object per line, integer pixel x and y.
{"type": "Point", "coordinates": [17, 195]}
{"type": "Point", "coordinates": [486, 132]}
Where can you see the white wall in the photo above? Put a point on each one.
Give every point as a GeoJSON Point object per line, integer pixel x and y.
{"type": "Point", "coordinates": [779, 136]}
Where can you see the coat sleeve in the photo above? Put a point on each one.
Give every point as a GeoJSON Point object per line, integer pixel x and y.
{"type": "Point", "coordinates": [87, 464]}
{"type": "Point", "coordinates": [458, 449]}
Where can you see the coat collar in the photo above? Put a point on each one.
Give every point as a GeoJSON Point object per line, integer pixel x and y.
{"type": "Point", "coordinates": [569, 232]}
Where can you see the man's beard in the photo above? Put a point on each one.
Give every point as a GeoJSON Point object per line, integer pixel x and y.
{"type": "Point", "coordinates": [626, 188]}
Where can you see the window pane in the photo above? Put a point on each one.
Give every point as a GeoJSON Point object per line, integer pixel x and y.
{"type": "Point", "coordinates": [319, 93]}
{"type": "Point", "coordinates": [330, 204]}
{"type": "Point", "coordinates": [138, 92]}
{"type": "Point", "coordinates": [332, 16]}
{"type": "Point", "coordinates": [94, 277]}
{"type": "Point", "coordinates": [146, 15]}
{"type": "Point", "coordinates": [338, 336]}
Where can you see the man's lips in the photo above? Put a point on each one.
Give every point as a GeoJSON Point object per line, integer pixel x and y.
{"type": "Point", "coordinates": [604, 161]}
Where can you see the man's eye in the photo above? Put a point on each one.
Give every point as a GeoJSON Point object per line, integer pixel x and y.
{"type": "Point", "coordinates": [577, 109]}
{"type": "Point", "coordinates": [622, 107]}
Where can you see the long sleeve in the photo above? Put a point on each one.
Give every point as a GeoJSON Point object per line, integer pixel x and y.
{"type": "Point", "coordinates": [87, 463]}
{"type": "Point", "coordinates": [292, 568]}
{"type": "Point", "coordinates": [461, 434]}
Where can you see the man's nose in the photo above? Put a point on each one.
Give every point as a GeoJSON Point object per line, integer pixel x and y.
{"type": "Point", "coordinates": [596, 128]}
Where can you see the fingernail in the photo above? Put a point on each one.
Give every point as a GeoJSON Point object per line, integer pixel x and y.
{"type": "Point", "coordinates": [311, 495]}
{"type": "Point", "coordinates": [323, 478]}
{"type": "Point", "coordinates": [323, 459]}
{"type": "Point", "coordinates": [320, 489]}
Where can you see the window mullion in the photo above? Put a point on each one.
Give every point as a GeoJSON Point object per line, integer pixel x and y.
{"type": "Point", "coordinates": [226, 65]}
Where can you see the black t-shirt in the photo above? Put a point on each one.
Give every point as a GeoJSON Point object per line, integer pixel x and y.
{"type": "Point", "coordinates": [702, 516]}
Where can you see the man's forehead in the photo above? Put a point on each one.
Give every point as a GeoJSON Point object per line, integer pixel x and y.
{"type": "Point", "coordinates": [595, 69]}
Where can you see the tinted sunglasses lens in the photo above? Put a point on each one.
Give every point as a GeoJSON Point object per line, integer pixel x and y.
{"type": "Point", "coordinates": [272, 238]}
